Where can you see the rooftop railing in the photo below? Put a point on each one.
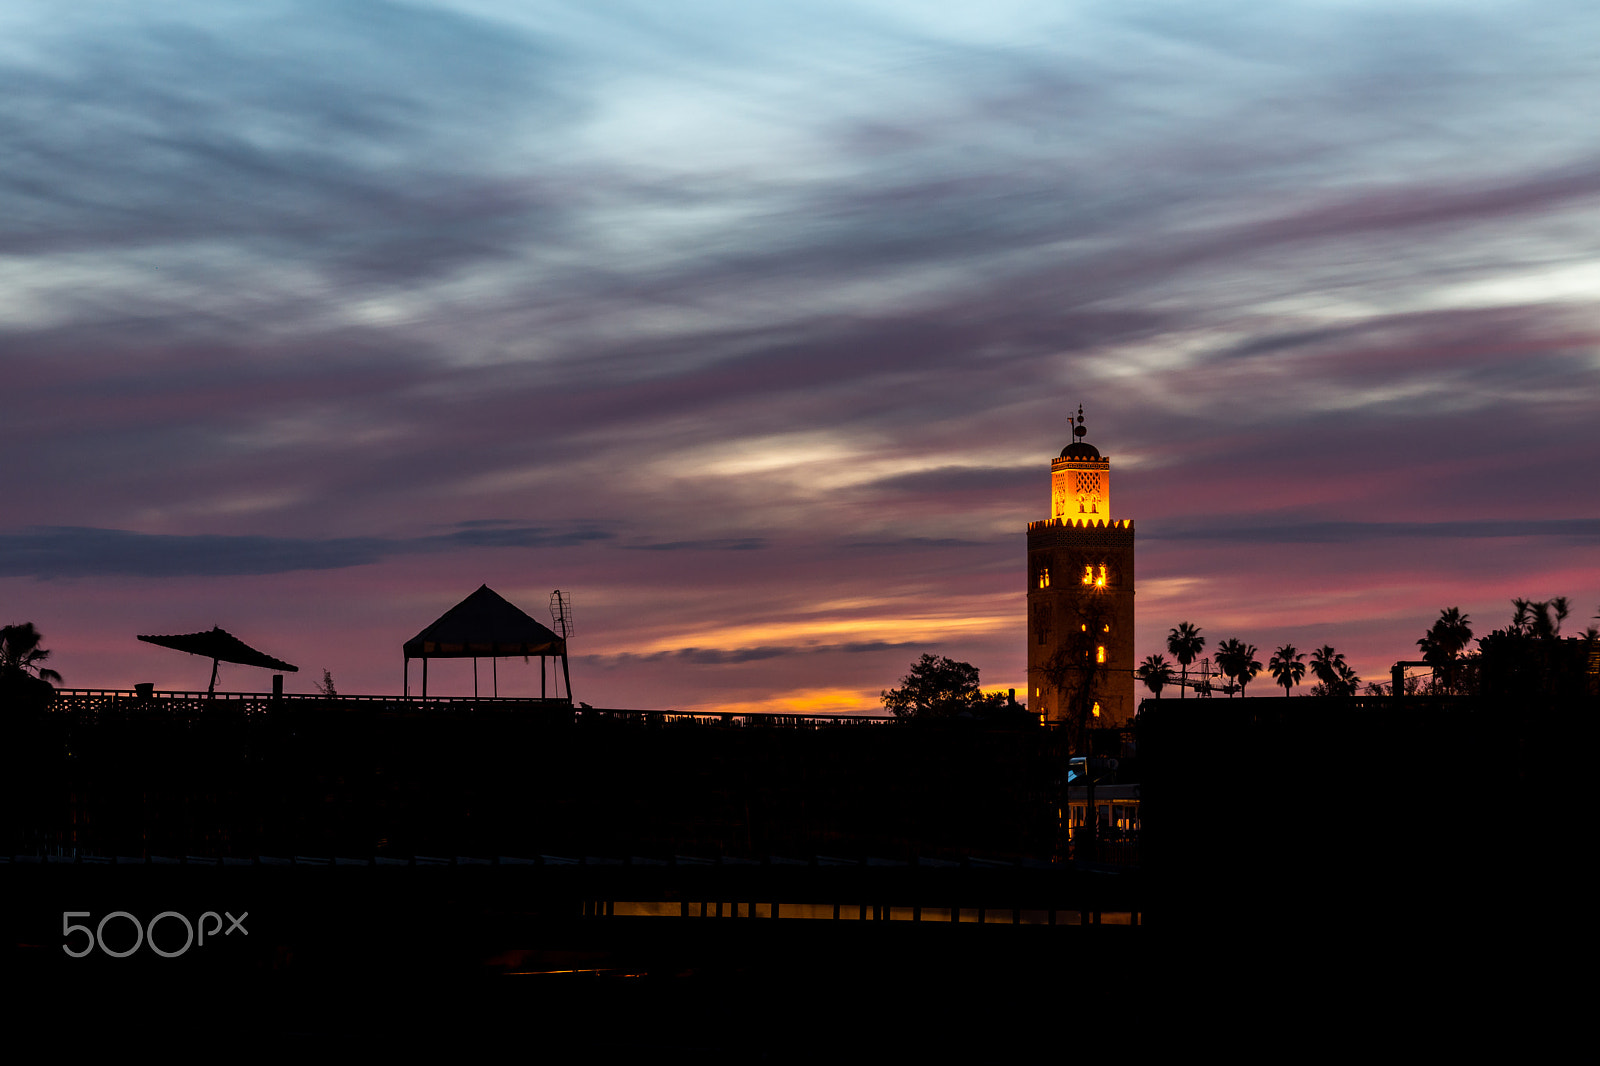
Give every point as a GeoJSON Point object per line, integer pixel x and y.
{"type": "Point", "coordinates": [180, 702]}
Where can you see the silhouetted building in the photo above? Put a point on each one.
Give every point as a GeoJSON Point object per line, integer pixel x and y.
{"type": "Point", "coordinates": [1080, 595]}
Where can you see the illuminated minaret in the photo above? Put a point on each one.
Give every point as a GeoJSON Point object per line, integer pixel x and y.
{"type": "Point", "coordinates": [1080, 594]}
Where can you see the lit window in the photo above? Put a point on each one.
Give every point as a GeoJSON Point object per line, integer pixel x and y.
{"type": "Point", "coordinates": [1044, 577]}
{"type": "Point", "coordinates": [1088, 575]}
{"type": "Point", "coordinates": [1101, 580]}
{"type": "Point", "coordinates": [1097, 710]}
{"type": "Point", "coordinates": [1108, 628]}
{"type": "Point", "coordinates": [1100, 654]}
{"type": "Point", "coordinates": [1085, 627]}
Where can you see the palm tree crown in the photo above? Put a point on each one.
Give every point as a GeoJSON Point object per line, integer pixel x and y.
{"type": "Point", "coordinates": [1156, 673]}
{"type": "Point", "coordinates": [1337, 678]}
{"type": "Point", "coordinates": [1442, 644]}
{"type": "Point", "coordinates": [20, 652]}
{"type": "Point", "coordinates": [1248, 666]}
{"type": "Point", "coordinates": [1237, 660]}
{"type": "Point", "coordinates": [1287, 667]}
{"type": "Point", "coordinates": [1185, 643]}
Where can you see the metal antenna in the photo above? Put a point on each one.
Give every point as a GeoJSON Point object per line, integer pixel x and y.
{"type": "Point", "coordinates": [561, 613]}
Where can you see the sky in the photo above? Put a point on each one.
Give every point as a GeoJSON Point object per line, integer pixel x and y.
{"type": "Point", "coordinates": [754, 327]}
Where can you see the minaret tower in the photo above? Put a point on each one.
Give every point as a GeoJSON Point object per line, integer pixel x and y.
{"type": "Point", "coordinates": [1080, 596]}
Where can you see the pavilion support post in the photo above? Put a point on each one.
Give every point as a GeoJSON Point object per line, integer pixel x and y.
{"type": "Point", "coordinates": [541, 677]}
{"type": "Point", "coordinates": [424, 677]}
{"type": "Point", "coordinates": [565, 675]}
{"type": "Point", "coordinates": [474, 677]}
{"type": "Point", "coordinates": [405, 679]}
{"type": "Point", "coordinates": [495, 664]}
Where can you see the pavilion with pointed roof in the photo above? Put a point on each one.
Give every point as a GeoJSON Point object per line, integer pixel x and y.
{"type": "Point", "coordinates": [486, 625]}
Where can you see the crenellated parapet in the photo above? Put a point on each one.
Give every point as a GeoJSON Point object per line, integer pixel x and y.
{"type": "Point", "coordinates": [1081, 523]}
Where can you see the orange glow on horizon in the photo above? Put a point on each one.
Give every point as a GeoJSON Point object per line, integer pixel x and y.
{"type": "Point", "coordinates": [800, 701]}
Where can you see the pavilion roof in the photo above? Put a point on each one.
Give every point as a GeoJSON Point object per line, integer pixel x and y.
{"type": "Point", "coordinates": [485, 624]}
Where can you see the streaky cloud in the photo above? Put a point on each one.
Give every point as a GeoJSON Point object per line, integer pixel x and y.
{"type": "Point", "coordinates": [959, 479]}
{"type": "Point", "coordinates": [1353, 532]}
{"type": "Point", "coordinates": [903, 543]}
{"type": "Point", "coordinates": [77, 551]}
{"type": "Point", "coordinates": [501, 538]}
{"type": "Point", "coordinates": [723, 544]}
{"type": "Point", "coordinates": [729, 656]}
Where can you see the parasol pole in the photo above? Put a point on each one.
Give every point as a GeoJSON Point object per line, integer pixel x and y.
{"type": "Point", "coordinates": [212, 691]}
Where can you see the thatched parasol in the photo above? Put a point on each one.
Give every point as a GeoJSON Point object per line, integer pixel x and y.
{"type": "Point", "coordinates": [219, 646]}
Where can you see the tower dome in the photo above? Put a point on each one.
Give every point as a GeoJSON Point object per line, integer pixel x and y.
{"type": "Point", "coordinates": [1080, 479]}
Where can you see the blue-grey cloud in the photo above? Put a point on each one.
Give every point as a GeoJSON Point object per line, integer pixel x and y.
{"type": "Point", "coordinates": [897, 544]}
{"type": "Point", "coordinates": [725, 544]}
{"type": "Point", "coordinates": [78, 552]}
{"type": "Point", "coordinates": [337, 133]}
{"type": "Point", "coordinates": [1577, 530]}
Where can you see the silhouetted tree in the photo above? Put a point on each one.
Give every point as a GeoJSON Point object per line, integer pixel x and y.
{"type": "Point", "coordinates": [20, 652]}
{"type": "Point", "coordinates": [938, 687]}
{"type": "Point", "coordinates": [1287, 667]}
{"type": "Point", "coordinates": [1540, 619]}
{"type": "Point", "coordinates": [1443, 644]}
{"type": "Point", "coordinates": [1156, 673]}
{"type": "Point", "coordinates": [1530, 659]}
{"type": "Point", "coordinates": [1227, 660]}
{"type": "Point", "coordinates": [25, 683]}
{"type": "Point", "coordinates": [1334, 675]}
{"type": "Point", "coordinates": [1247, 666]}
{"type": "Point", "coordinates": [1185, 644]}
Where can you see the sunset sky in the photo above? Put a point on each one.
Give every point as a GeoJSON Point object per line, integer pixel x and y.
{"type": "Point", "coordinates": [754, 327]}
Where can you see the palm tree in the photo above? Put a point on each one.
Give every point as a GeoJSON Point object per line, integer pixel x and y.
{"type": "Point", "coordinates": [1287, 668]}
{"type": "Point", "coordinates": [1156, 673]}
{"type": "Point", "coordinates": [1238, 661]}
{"type": "Point", "coordinates": [1247, 666]}
{"type": "Point", "coordinates": [1349, 681]}
{"type": "Point", "coordinates": [20, 653]}
{"type": "Point", "coordinates": [1327, 665]}
{"type": "Point", "coordinates": [1444, 642]}
{"type": "Point", "coordinates": [1533, 617]}
{"type": "Point", "coordinates": [1185, 643]}
{"type": "Point", "coordinates": [1227, 660]}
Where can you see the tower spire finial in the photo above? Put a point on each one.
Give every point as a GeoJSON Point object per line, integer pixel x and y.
{"type": "Point", "coordinates": [1078, 430]}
